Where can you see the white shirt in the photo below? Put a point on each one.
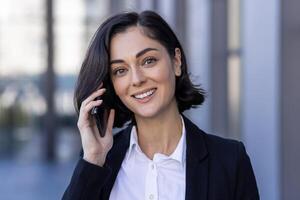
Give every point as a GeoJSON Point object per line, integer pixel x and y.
{"type": "Point", "coordinates": [162, 178]}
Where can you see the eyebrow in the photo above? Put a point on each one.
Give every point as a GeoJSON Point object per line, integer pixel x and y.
{"type": "Point", "coordinates": [139, 54]}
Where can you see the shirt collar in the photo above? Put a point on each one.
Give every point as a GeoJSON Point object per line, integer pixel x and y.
{"type": "Point", "coordinates": [179, 154]}
{"type": "Point", "coordinates": [133, 142]}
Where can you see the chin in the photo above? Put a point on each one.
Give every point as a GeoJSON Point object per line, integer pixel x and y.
{"type": "Point", "coordinates": [146, 113]}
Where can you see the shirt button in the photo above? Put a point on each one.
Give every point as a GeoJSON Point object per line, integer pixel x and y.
{"type": "Point", "coordinates": [151, 196]}
{"type": "Point", "coordinates": [152, 166]}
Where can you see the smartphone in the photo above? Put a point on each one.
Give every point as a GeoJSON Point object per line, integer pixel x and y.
{"type": "Point", "coordinates": [101, 113]}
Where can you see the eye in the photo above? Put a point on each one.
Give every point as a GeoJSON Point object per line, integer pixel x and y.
{"type": "Point", "coordinates": [119, 72]}
{"type": "Point", "coordinates": [149, 61]}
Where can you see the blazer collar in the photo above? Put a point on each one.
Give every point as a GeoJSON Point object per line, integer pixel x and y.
{"type": "Point", "coordinates": [196, 147]}
{"type": "Point", "coordinates": [115, 157]}
{"type": "Point", "coordinates": [196, 160]}
{"type": "Point", "coordinates": [196, 163]}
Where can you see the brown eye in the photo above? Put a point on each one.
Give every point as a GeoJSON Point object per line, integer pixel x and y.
{"type": "Point", "coordinates": [119, 72]}
{"type": "Point", "coordinates": [149, 60]}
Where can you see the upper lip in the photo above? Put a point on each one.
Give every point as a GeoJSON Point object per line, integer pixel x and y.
{"type": "Point", "coordinates": [146, 90]}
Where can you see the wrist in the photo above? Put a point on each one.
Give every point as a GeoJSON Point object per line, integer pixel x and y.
{"type": "Point", "coordinates": [95, 159]}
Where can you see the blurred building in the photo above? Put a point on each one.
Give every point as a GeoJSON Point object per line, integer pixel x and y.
{"type": "Point", "coordinates": [244, 53]}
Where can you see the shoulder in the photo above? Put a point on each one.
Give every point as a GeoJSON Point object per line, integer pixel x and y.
{"type": "Point", "coordinates": [217, 148]}
{"type": "Point", "coordinates": [228, 154]}
{"type": "Point", "coordinates": [227, 161]}
{"type": "Point", "coordinates": [224, 146]}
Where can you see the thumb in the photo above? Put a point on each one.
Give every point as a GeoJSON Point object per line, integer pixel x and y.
{"type": "Point", "coordinates": [110, 121]}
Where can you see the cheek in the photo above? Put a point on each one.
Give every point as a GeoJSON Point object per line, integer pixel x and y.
{"type": "Point", "coordinates": [120, 87]}
{"type": "Point", "coordinates": [117, 87]}
{"type": "Point", "coordinates": [168, 78]}
{"type": "Point", "coordinates": [165, 75]}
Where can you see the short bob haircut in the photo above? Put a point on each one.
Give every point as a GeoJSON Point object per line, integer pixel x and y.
{"type": "Point", "coordinates": [95, 68]}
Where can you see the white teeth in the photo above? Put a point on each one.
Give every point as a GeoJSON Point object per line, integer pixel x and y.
{"type": "Point", "coordinates": [143, 95]}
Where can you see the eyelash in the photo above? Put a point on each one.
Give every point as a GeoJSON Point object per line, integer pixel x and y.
{"type": "Point", "coordinates": [117, 70]}
{"type": "Point", "coordinates": [152, 59]}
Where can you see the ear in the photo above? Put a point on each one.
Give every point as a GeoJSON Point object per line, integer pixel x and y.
{"type": "Point", "coordinates": [177, 62]}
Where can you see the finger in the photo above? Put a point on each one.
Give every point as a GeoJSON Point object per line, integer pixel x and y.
{"type": "Point", "coordinates": [93, 96]}
{"type": "Point", "coordinates": [110, 121]}
{"type": "Point", "coordinates": [85, 110]}
{"type": "Point", "coordinates": [101, 84]}
{"type": "Point", "coordinates": [90, 105]}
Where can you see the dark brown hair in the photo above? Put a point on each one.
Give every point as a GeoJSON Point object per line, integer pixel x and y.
{"type": "Point", "coordinates": [95, 67]}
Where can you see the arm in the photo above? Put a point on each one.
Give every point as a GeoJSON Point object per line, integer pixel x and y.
{"type": "Point", "coordinates": [246, 187]}
{"type": "Point", "coordinates": [91, 173]}
{"type": "Point", "coordinates": [87, 181]}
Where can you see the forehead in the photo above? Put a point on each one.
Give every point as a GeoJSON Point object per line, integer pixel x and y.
{"type": "Point", "coordinates": [130, 42]}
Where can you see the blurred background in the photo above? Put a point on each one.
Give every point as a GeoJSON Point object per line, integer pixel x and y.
{"type": "Point", "coordinates": [245, 53]}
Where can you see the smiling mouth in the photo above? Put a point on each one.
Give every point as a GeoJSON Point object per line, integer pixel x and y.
{"type": "Point", "coordinates": [144, 94]}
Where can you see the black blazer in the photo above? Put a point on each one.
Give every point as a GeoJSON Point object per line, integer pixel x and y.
{"type": "Point", "coordinates": [216, 169]}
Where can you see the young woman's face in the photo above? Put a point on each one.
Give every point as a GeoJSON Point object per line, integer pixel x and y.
{"type": "Point", "coordinates": [143, 74]}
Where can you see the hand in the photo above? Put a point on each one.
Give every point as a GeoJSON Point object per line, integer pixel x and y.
{"type": "Point", "coordinates": [95, 147]}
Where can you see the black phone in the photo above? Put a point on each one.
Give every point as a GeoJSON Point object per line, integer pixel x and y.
{"type": "Point", "coordinates": [101, 113]}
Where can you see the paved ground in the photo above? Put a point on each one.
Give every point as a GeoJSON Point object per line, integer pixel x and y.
{"type": "Point", "coordinates": [33, 181]}
{"type": "Point", "coordinates": [25, 176]}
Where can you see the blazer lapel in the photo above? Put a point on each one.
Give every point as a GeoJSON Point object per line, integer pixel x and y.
{"type": "Point", "coordinates": [115, 157]}
{"type": "Point", "coordinates": [196, 163]}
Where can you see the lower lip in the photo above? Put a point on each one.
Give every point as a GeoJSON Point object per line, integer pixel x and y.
{"type": "Point", "coordinates": [145, 99]}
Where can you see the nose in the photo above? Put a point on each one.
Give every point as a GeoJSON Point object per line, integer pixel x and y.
{"type": "Point", "coordinates": [138, 77]}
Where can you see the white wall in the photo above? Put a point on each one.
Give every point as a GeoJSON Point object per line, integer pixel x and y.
{"type": "Point", "coordinates": [198, 55]}
{"type": "Point", "coordinates": [260, 92]}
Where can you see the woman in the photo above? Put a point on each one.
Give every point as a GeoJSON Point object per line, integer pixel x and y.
{"type": "Point", "coordinates": [135, 70]}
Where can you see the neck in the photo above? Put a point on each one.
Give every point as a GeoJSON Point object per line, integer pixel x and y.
{"type": "Point", "coordinates": [159, 134]}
